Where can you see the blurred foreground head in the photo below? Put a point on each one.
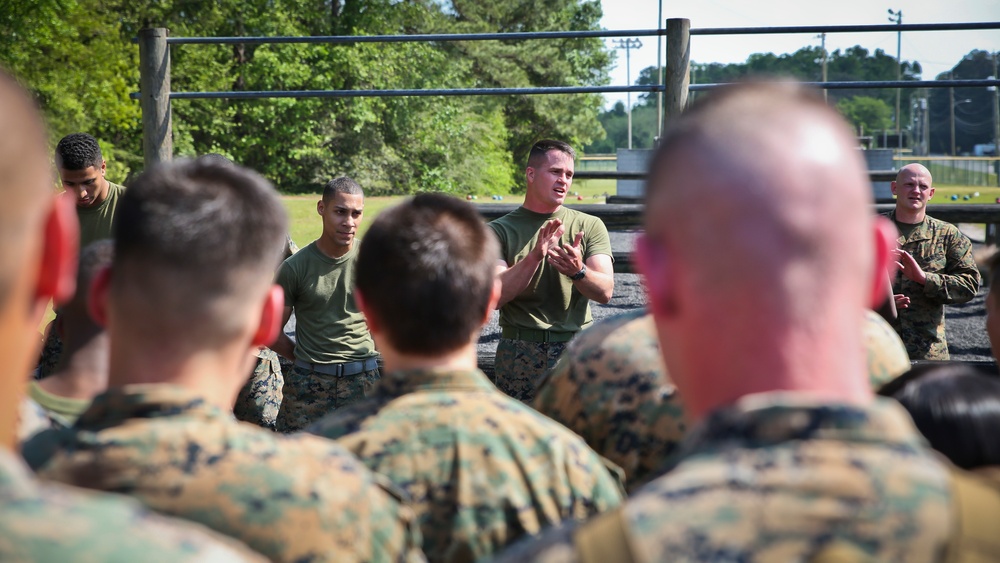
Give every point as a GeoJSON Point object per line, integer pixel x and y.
{"type": "Point", "coordinates": [425, 273]}
{"type": "Point", "coordinates": [196, 246]}
{"type": "Point", "coordinates": [38, 243]}
{"type": "Point", "coordinates": [761, 250]}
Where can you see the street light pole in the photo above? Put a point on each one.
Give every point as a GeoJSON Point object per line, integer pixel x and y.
{"type": "Point", "coordinates": [628, 45]}
{"type": "Point", "coordinates": [897, 18]}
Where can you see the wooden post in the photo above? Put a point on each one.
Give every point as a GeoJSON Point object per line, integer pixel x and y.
{"type": "Point", "coordinates": [154, 96]}
{"type": "Point", "coordinates": [678, 77]}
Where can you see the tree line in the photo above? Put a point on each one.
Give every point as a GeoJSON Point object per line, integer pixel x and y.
{"type": "Point", "coordinates": [79, 60]}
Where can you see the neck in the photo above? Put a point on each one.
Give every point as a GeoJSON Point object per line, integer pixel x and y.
{"type": "Point", "coordinates": [215, 374]}
{"type": "Point", "coordinates": [829, 365]}
{"type": "Point", "coordinates": [910, 216]}
{"type": "Point", "coordinates": [331, 249]}
{"type": "Point", "coordinates": [533, 204]}
{"type": "Point", "coordinates": [463, 358]}
{"type": "Point", "coordinates": [83, 370]}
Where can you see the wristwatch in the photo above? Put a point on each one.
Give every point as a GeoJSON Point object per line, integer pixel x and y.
{"type": "Point", "coordinates": [579, 275]}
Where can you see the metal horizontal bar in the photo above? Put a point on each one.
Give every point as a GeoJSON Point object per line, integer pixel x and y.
{"type": "Point", "coordinates": [625, 216]}
{"type": "Point", "coordinates": [964, 26]}
{"type": "Point", "coordinates": [258, 94]}
{"type": "Point", "coordinates": [881, 84]}
{"type": "Point", "coordinates": [528, 35]}
{"type": "Point", "coordinates": [651, 88]}
{"type": "Point", "coordinates": [607, 175]}
{"type": "Point", "coordinates": [416, 38]}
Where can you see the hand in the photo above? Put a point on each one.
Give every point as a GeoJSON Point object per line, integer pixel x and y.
{"type": "Point", "coordinates": [548, 237]}
{"type": "Point", "coordinates": [902, 301]}
{"type": "Point", "coordinates": [567, 259]}
{"type": "Point", "coordinates": [909, 268]}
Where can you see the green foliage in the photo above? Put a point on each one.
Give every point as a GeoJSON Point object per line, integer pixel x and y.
{"type": "Point", "coordinates": [865, 113]}
{"type": "Point", "coordinates": [78, 58]}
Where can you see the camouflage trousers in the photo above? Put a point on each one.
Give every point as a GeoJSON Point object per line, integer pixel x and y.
{"type": "Point", "coordinates": [260, 399]}
{"type": "Point", "coordinates": [309, 395]}
{"type": "Point", "coordinates": [51, 350]}
{"type": "Point", "coordinates": [521, 365]}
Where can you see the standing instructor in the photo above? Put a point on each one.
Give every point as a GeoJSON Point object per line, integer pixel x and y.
{"type": "Point", "coordinates": [554, 261]}
{"type": "Point", "coordinates": [936, 267]}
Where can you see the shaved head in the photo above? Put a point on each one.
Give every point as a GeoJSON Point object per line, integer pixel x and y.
{"type": "Point", "coordinates": [914, 168]}
{"type": "Point", "coordinates": [759, 232]}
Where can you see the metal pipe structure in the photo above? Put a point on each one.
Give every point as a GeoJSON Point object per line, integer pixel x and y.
{"type": "Point", "coordinates": [897, 18]}
{"type": "Point", "coordinates": [154, 82]}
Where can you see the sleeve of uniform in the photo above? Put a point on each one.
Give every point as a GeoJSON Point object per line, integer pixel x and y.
{"type": "Point", "coordinates": [597, 240]}
{"type": "Point", "coordinates": [960, 281]}
{"type": "Point", "coordinates": [498, 232]}
{"type": "Point", "coordinates": [288, 281]}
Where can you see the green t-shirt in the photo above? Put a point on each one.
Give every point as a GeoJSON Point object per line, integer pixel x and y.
{"type": "Point", "coordinates": [96, 222]}
{"type": "Point", "coordinates": [329, 328]}
{"type": "Point", "coordinates": [906, 229]}
{"type": "Point", "coordinates": [550, 302]}
{"type": "Point", "coordinates": [63, 410]}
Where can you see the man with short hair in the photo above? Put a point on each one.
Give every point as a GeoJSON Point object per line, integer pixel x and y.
{"type": "Point", "coordinates": [190, 295]}
{"type": "Point", "coordinates": [335, 362]}
{"type": "Point", "coordinates": [82, 371]}
{"type": "Point", "coordinates": [38, 251]}
{"type": "Point", "coordinates": [82, 169]}
{"type": "Point", "coordinates": [483, 469]}
{"type": "Point", "coordinates": [759, 301]}
{"type": "Point", "coordinates": [936, 267]}
{"type": "Point", "coordinates": [554, 261]}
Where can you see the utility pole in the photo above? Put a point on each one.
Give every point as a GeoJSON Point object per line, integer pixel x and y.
{"type": "Point", "coordinates": [897, 18]}
{"type": "Point", "coordinates": [659, 71]}
{"type": "Point", "coordinates": [822, 47]}
{"type": "Point", "coordinates": [951, 113]}
{"type": "Point", "coordinates": [628, 45]}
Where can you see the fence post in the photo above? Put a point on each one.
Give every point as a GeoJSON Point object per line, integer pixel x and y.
{"type": "Point", "coordinates": [678, 76]}
{"type": "Point", "coordinates": [154, 96]}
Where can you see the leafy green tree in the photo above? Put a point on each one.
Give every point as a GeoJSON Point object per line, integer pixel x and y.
{"type": "Point", "coordinates": [865, 113]}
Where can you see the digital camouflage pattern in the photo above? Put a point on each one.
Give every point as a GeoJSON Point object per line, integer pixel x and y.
{"type": "Point", "coordinates": [520, 366]}
{"type": "Point", "coordinates": [51, 522]}
{"type": "Point", "coordinates": [945, 255]}
{"type": "Point", "coordinates": [259, 400]}
{"type": "Point", "coordinates": [774, 478]}
{"type": "Point", "coordinates": [887, 357]}
{"type": "Point", "coordinates": [308, 395]}
{"type": "Point", "coordinates": [292, 498]}
{"type": "Point", "coordinates": [48, 358]}
{"type": "Point", "coordinates": [482, 469]}
{"type": "Point", "coordinates": [611, 388]}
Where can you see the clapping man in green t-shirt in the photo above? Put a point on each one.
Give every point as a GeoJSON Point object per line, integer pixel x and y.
{"type": "Point", "coordinates": [335, 362]}
{"type": "Point", "coordinates": [554, 261]}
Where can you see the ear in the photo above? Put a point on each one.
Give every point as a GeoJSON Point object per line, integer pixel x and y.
{"type": "Point", "coordinates": [892, 186]}
{"type": "Point", "coordinates": [885, 266]}
{"type": "Point", "coordinates": [654, 264]}
{"type": "Point", "coordinates": [104, 167]}
{"type": "Point", "coordinates": [494, 299]}
{"type": "Point", "coordinates": [60, 249]}
{"type": "Point", "coordinates": [374, 325]}
{"type": "Point", "coordinates": [529, 174]}
{"type": "Point", "coordinates": [319, 207]}
{"type": "Point", "coordinates": [930, 194]}
{"type": "Point", "coordinates": [97, 296]}
{"type": "Point", "coordinates": [270, 317]}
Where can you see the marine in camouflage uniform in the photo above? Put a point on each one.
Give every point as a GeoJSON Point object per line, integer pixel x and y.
{"type": "Point", "coordinates": [291, 498]}
{"type": "Point", "coordinates": [51, 522]}
{"type": "Point", "coordinates": [937, 267]}
{"type": "Point", "coordinates": [260, 399]}
{"type": "Point", "coordinates": [776, 479]}
{"type": "Point", "coordinates": [482, 469]}
{"type": "Point", "coordinates": [611, 388]}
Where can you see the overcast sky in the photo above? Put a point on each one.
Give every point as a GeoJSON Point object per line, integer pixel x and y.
{"type": "Point", "coordinates": [936, 51]}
